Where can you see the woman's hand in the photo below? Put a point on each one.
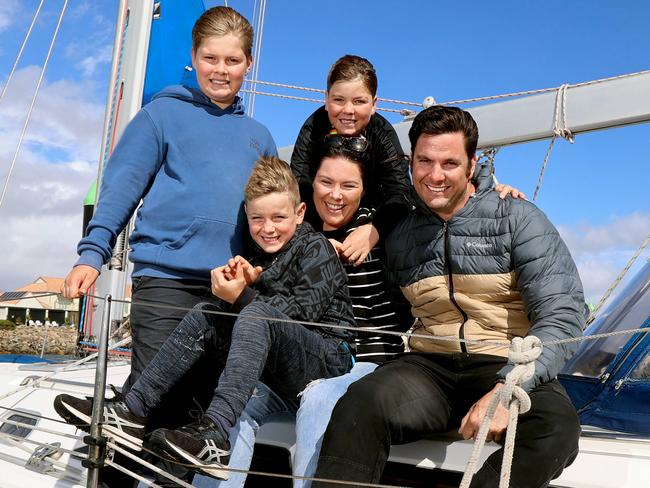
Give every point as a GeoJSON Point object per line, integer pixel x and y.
{"type": "Point", "coordinates": [358, 243]}
{"type": "Point", "coordinates": [505, 190]}
{"type": "Point", "coordinates": [228, 286]}
{"type": "Point", "coordinates": [78, 281]}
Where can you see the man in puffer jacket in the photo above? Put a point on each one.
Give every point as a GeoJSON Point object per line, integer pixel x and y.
{"type": "Point", "coordinates": [473, 267]}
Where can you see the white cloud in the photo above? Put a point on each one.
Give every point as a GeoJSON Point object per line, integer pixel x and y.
{"type": "Point", "coordinates": [602, 251]}
{"type": "Point", "coordinates": [102, 56]}
{"type": "Point", "coordinates": [41, 214]}
{"type": "Point", "coordinates": [65, 116]}
{"type": "Point", "coordinates": [8, 11]}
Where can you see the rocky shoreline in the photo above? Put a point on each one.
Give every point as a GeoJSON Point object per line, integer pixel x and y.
{"type": "Point", "coordinates": [26, 339]}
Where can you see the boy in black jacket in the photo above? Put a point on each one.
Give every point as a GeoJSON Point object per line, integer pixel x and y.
{"type": "Point", "coordinates": [296, 276]}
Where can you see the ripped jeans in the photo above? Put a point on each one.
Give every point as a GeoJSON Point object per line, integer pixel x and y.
{"type": "Point", "coordinates": [317, 402]}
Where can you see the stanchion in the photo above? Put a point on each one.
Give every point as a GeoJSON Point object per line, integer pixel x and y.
{"type": "Point", "coordinates": [97, 443]}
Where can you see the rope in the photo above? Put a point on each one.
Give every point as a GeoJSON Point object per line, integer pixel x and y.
{"type": "Point", "coordinates": [618, 279]}
{"type": "Point", "coordinates": [20, 52]}
{"type": "Point", "coordinates": [31, 106]}
{"type": "Point", "coordinates": [315, 100]}
{"type": "Point", "coordinates": [523, 354]}
{"type": "Point", "coordinates": [68, 367]}
{"type": "Point", "coordinates": [560, 129]}
{"type": "Point", "coordinates": [505, 344]}
{"type": "Point", "coordinates": [453, 102]}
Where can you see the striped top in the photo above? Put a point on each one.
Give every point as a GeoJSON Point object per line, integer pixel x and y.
{"type": "Point", "coordinates": [376, 307]}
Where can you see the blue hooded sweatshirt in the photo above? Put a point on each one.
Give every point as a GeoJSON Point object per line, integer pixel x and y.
{"type": "Point", "coordinates": [188, 161]}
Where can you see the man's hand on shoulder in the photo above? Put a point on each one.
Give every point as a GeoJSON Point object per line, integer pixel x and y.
{"type": "Point", "coordinates": [504, 190]}
{"type": "Point", "coordinates": [471, 422]}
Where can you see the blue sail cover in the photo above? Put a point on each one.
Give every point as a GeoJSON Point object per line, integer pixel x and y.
{"type": "Point", "coordinates": [608, 379]}
{"type": "Point", "coordinates": [170, 46]}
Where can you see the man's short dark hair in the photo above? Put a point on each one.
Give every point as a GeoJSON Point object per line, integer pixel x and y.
{"type": "Point", "coordinates": [439, 119]}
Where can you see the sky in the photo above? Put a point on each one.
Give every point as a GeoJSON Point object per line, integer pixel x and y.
{"type": "Point", "coordinates": [594, 191]}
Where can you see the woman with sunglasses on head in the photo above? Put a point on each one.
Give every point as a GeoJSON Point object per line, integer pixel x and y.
{"type": "Point", "coordinates": [348, 119]}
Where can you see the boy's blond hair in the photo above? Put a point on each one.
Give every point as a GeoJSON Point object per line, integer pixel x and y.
{"type": "Point", "coordinates": [271, 175]}
{"type": "Point", "coordinates": [221, 21]}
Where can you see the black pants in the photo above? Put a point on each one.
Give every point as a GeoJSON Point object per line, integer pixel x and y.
{"type": "Point", "coordinates": [418, 395]}
{"type": "Point", "coordinates": [150, 328]}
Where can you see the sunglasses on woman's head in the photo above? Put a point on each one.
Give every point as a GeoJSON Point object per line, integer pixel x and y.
{"type": "Point", "coordinates": [356, 144]}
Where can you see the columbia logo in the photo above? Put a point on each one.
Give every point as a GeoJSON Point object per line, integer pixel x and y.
{"type": "Point", "coordinates": [478, 245]}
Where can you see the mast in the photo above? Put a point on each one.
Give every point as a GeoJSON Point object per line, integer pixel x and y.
{"type": "Point", "coordinates": [125, 90]}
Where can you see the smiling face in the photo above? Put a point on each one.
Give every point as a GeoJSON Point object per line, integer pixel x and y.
{"type": "Point", "coordinates": [273, 219]}
{"type": "Point", "coordinates": [338, 187]}
{"type": "Point", "coordinates": [220, 64]}
{"type": "Point", "coordinates": [349, 106]}
{"type": "Point", "coordinates": [442, 171]}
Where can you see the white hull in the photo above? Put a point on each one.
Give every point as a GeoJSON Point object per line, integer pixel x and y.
{"type": "Point", "coordinates": [604, 462]}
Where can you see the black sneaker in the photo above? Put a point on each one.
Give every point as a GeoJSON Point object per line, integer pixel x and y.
{"type": "Point", "coordinates": [117, 422]}
{"type": "Point", "coordinates": [200, 443]}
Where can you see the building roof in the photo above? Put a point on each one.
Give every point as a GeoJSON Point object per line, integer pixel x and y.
{"type": "Point", "coordinates": [44, 284]}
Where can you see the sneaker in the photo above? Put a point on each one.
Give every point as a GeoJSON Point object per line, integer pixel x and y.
{"type": "Point", "coordinates": [200, 443]}
{"type": "Point", "coordinates": [117, 422]}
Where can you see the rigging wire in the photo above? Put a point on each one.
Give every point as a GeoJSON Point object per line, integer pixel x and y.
{"type": "Point", "coordinates": [20, 52]}
{"type": "Point", "coordinates": [261, 14]}
{"type": "Point", "coordinates": [31, 107]}
{"type": "Point", "coordinates": [618, 279]}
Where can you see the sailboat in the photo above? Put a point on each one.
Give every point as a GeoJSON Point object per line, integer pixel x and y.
{"type": "Point", "coordinates": [608, 379]}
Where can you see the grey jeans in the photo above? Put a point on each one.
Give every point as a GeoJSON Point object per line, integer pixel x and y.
{"type": "Point", "coordinates": [257, 345]}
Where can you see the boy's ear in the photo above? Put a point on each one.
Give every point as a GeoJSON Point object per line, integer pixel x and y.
{"type": "Point", "coordinates": [300, 211]}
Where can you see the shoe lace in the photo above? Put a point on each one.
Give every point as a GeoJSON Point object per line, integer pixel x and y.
{"type": "Point", "coordinates": [201, 421]}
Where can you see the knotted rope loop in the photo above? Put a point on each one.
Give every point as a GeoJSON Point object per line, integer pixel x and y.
{"type": "Point", "coordinates": [523, 353]}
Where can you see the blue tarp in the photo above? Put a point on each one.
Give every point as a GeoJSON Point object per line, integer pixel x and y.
{"type": "Point", "coordinates": [608, 379]}
{"type": "Point", "coordinates": [23, 359]}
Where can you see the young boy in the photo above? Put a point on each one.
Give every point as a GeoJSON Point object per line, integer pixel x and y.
{"type": "Point", "coordinates": [297, 276]}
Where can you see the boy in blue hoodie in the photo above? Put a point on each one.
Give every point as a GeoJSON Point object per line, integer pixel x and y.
{"type": "Point", "coordinates": [186, 156]}
{"type": "Point", "coordinates": [297, 276]}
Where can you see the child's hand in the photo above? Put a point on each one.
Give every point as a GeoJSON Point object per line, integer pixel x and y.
{"type": "Point", "coordinates": [358, 244]}
{"type": "Point", "coordinates": [228, 286]}
{"type": "Point", "coordinates": [336, 245]}
{"type": "Point", "coordinates": [251, 273]}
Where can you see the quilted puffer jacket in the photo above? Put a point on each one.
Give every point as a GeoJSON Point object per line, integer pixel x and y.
{"type": "Point", "coordinates": [497, 269]}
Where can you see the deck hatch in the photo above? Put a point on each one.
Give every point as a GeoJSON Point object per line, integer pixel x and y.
{"type": "Point", "coordinates": [15, 430]}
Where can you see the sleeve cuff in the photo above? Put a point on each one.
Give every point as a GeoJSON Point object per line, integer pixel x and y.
{"type": "Point", "coordinates": [245, 297]}
{"type": "Point", "coordinates": [92, 259]}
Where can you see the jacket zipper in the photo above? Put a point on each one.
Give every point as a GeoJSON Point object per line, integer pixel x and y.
{"type": "Point", "coordinates": [461, 331]}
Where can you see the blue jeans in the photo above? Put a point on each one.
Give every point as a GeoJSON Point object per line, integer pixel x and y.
{"type": "Point", "coordinates": [264, 406]}
{"type": "Point", "coordinates": [318, 401]}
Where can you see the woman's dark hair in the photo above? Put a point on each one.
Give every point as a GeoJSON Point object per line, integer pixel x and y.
{"type": "Point", "coordinates": [359, 158]}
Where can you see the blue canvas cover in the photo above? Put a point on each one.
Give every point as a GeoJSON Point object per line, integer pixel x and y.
{"type": "Point", "coordinates": [170, 45]}
{"type": "Point", "coordinates": [608, 379]}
